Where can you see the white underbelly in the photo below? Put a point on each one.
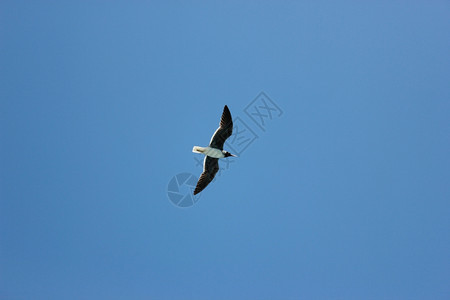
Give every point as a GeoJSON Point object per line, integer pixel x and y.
{"type": "Point", "coordinates": [216, 153]}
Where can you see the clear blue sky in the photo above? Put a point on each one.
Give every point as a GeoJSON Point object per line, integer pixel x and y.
{"type": "Point", "coordinates": [345, 196]}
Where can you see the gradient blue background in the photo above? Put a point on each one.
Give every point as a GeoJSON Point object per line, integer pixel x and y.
{"type": "Point", "coordinates": [346, 196]}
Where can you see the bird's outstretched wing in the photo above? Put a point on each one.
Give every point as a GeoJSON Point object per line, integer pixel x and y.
{"type": "Point", "coordinates": [224, 131]}
{"type": "Point", "coordinates": [210, 168]}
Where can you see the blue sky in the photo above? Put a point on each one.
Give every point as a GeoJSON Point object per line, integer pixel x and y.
{"type": "Point", "coordinates": [344, 196]}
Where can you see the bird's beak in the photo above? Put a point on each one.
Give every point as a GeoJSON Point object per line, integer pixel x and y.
{"type": "Point", "coordinates": [233, 155]}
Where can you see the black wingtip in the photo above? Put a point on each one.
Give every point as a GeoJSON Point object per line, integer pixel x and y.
{"type": "Point", "coordinates": [196, 191]}
{"type": "Point", "coordinates": [226, 110]}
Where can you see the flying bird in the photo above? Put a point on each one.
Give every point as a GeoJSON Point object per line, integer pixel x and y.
{"type": "Point", "coordinates": [214, 151]}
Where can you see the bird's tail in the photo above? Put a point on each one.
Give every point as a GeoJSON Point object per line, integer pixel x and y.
{"type": "Point", "coordinates": [198, 149]}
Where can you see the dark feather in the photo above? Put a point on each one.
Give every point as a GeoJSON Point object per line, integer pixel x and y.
{"type": "Point", "coordinates": [210, 169]}
{"type": "Point", "coordinates": [224, 131]}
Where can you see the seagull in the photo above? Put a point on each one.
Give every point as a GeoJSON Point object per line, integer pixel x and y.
{"type": "Point", "coordinates": [214, 151]}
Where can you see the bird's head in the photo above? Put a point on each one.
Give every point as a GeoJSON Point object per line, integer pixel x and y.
{"type": "Point", "coordinates": [227, 154]}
